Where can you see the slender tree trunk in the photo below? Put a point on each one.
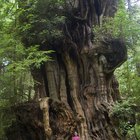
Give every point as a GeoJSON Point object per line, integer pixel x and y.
{"type": "Point", "coordinates": [78, 88]}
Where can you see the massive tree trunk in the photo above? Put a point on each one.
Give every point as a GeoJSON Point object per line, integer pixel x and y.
{"type": "Point", "coordinates": [75, 91]}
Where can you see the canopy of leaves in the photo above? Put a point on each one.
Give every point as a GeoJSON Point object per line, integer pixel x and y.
{"type": "Point", "coordinates": [40, 21]}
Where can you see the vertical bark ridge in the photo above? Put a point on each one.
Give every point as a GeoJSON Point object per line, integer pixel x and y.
{"type": "Point", "coordinates": [39, 85]}
{"type": "Point", "coordinates": [51, 72]}
{"type": "Point", "coordinates": [115, 89]}
{"type": "Point", "coordinates": [85, 75]}
{"type": "Point", "coordinates": [44, 106]}
{"type": "Point", "coordinates": [95, 101]}
{"type": "Point", "coordinates": [110, 88]}
{"type": "Point", "coordinates": [63, 88]}
{"type": "Point", "coordinates": [74, 83]}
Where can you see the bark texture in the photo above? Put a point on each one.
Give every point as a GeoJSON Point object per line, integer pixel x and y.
{"type": "Point", "coordinates": [78, 88]}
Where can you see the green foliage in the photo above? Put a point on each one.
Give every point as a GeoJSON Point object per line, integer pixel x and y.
{"type": "Point", "coordinates": [129, 84]}
{"type": "Point", "coordinates": [30, 57]}
{"type": "Point", "coordinates": [40, 21]}
{"type": "Point", "coordinates": [16, 60]}
{"type": "Point", "coordinates": [124, 112]}
{"type": "Point", "coordinates": [6, 117]}
{"type": "Point", "coordinates": [137, 129]}
{"type": "Point", "coordinates": [128, 77]}
{"type": "Point", "coordinates": [120, 26]}
{"type": "Point", "coordinates": [123, 109]}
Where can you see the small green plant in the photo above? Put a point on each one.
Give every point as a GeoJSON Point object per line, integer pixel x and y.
{"type": "Point", "coordinates": [125, 114]}
{"type": "Point", "coordinates": [123, 108]}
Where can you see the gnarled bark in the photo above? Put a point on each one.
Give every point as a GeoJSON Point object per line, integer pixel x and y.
{"type": "Point", "coordinates": [78, 88]}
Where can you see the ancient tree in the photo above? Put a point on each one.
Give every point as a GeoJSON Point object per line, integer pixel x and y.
{"type": "Point", "coordinates": [76, 90]}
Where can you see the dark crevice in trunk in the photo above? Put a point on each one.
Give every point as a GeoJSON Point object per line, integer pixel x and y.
{"type": "Point", "coordinates": [45, 80]}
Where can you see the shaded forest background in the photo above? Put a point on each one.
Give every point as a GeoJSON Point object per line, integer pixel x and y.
{"type": "Point", "coordinates": [16, 80]}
